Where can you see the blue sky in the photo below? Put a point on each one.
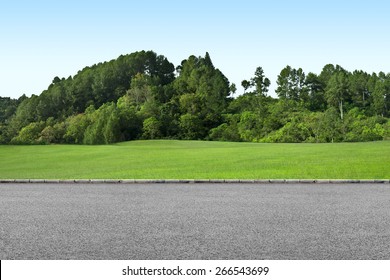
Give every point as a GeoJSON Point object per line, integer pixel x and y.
{"type": "Point", "coordinates": [43, 39]}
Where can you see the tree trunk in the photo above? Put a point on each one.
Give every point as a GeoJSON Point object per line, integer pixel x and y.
{"type": "Point", "coordinates": [341, 109]}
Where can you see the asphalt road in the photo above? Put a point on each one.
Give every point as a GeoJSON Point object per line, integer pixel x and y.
{"type": "Point", "coordinates": [195, 221]}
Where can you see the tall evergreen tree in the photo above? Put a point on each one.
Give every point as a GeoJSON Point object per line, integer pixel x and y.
{"type": "Point", "coordinates": [337, 91]}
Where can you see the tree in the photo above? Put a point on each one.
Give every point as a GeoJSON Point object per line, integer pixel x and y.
{"type": "Point", "coordinates": [249, 127]}
{"type": "Point", "coordinates": [327, 72]}
{"type": "Point", "coordinates": [228, 131]}
{"type": "Point", "coordinates": [151, 128]}
{"type": "Point", "coordinates": [337, 91]}
{"type": "Point", "coordinates": [75, 128]}
{"type": "Point", "coordinates": [246, 84]}
{"type": "Point", "coordinates": [138, 96]}
{"type": "Point", "coordinates": [291, 85]}
{"type": "Point", "coordinates": [50, 135]}
{"type": "Point", "coordinates": [261, 82]}
{"type": "Point", "coordinates": [191, 127]}
{"type": "Point", "coordinates": [315, 93]}
{"type": "Point", "coordinates": [201, 91]}
{"type": "Point", "coordinates": [8, 107]}
{"type": "Point", "coordinates": [104, 127]}
{"type": "Point", "coordinates": [359, 89]}
{"type": "Point", "coordinates": [111, 130]}
{"type": "Point", "coordinates": [141, 89]}
{"type": "Point", "coordinates": [130, 123]}
{"type": "Point", "coordinates": [379, 97]}
{"type": "Point", "coordinates": [29, 134]}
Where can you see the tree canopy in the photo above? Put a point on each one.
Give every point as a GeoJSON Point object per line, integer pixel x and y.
{"type": "Point", "coordinates": [143, 96]}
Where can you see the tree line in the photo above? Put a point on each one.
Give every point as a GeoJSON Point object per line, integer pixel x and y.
{"type": "Point", "coordinates": [143, 96]}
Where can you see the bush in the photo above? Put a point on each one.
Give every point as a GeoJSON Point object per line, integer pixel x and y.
{"type": "Point", "coordinates": [295, 131]}
{"type": "Point", "coordinates": [365, 129]}
{"type": "Point", "coordinates": [151, 128]}
{"type": "Point", "coordinates": [30, 134]}
{"type": "Point", "coordinates": [53, 134]}
{"type": "Point", "coordinates": [227, 131]}
{"type": "Point", "coordinates": [191, 127]}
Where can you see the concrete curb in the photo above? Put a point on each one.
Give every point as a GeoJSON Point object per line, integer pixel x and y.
{"type": "Point", "coordinates": [193, 181]}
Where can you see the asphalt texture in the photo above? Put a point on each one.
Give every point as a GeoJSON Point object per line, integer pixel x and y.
{"type": "Point", "coordinates": [195, 221]}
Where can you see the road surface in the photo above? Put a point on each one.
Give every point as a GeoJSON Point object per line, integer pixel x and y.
{"type": "Point", "coordinates": [195, 221]}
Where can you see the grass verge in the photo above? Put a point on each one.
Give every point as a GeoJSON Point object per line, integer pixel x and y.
{"type": "Point", "coordinates": [168, 159]}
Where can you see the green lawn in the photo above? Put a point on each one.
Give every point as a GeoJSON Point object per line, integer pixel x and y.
{"type": "Point", "coordinates": [166, 159]}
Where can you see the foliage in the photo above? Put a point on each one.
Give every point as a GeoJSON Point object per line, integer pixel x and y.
{"type": "Point", "coordinates": [151, 128]}
{"type": "Point", "coordinates": [140, 96]}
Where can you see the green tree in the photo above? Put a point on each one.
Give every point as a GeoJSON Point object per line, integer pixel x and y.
{"type": "Point", "coordinates": [337, 91]}
{"type": "Point", "coordinates": [141, 90]}
{"type": "Point", "coordinates": [53, 132]}
{"type": "Point", "coordinates": [130, 123]}
{"type": "Point", "coordinates": [249, 127]}
{"type": "Point", "coordinates": [379, 97]}
{"type": "Point", "coordinates": [291, 85]}
{"type": "Point", "coordinates": [75, 128]}
{"type": "Point", "coordinates": [328, 71]}
{"type": "Point", "coordinates": [29, 134]}
{"type": "Point", "coordinates": [104, 126]}
{"type": "Point", "coordinates": [202, 92]}
{"type": "Point", "coordinates": [8, 107]}
{"type": "Point", "coordinates": [151, 128]}
{"type": "Point", "coordinates": [228, 131]}
{"type": "Point", "coordinates": [260, 81]}
{"type": "Point", "coordinates": [191, 127]}
{"type": "Point", "coordinates": [316, 93]}
{"type": "Point", "coordinates": [359, 89]}
{"type": "Point", "coordinates": [246, 85]}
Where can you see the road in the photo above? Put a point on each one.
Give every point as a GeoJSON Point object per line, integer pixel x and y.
{"type": "Point", "coordinates": [195, 221]}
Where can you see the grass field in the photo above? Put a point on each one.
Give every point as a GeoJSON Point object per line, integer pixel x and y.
{"type": "Point", "coordinates": [165, 159]}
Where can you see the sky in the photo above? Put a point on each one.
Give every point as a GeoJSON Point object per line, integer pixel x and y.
{"type": "Point", "coordinates": [40, 40]}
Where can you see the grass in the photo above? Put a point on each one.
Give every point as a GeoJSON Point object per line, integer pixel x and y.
{"type": "Point", "coordinates": [168, 159]}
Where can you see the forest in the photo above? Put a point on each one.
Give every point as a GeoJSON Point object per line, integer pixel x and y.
{"type": "Point", "coordinates": [144, 96]}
